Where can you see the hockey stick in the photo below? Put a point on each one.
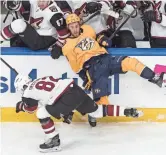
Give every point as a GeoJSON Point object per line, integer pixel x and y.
{"type": "Point", "coordinates": [121, 25]}
{"type": "Point", "coordinates": [106, 12]}
{"type": "Point", "coordinates": [4, 21]}
{"type": "Point", "coordinates": [8, 65]}
{"type": "Point", "coordinates": [92, 16]}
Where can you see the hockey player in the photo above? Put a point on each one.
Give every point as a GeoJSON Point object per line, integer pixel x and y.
{"type": "Point", "coordinates": [88, 58]}
{"type": "Point", "coordinates": [103, 23]}
{"type": "Point", "coordinates": [41, 23]}
{"type": "Point", "coordinates": [155, 15]}
{"type": "Point", "coordinates": [52, 97]}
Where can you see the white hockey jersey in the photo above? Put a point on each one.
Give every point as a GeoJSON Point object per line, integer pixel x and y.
{"type": "Point", "coordinates": [99, 22]}
{"type": "Point", "coordinates": [158, 30]}
{"type": "Point", "coordinates": [40, 19]}
{"type": "Point", "coordinates": [46, 90]}
{"type": "Point", "coordinates": [127, 10]}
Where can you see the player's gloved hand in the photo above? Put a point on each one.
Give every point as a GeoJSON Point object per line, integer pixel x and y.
{"type": "Point", "coordinates": [12, 5]}
{"type": "Point", "coordinates": [151, 15]}
{"type": "Point", "coordinates": [19, 107]}
{"type": "Point", "coordinates": [144, 5]}
{"type": "Point", "coordinates": [92, 7]}
{"type": "Point", "coordinates": [56, 50]}
{"type": "Point", "coordinates": [104, 41]}
{"type": "Point", "coordinates": [68, 118]}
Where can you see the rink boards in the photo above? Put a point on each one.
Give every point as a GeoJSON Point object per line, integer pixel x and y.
{"type": "Point", "coordinates": [127, 90]}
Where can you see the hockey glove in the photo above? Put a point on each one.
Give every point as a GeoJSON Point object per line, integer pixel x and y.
{"type": "Point", "coordinates": [68, 118]}
{"type": "Point", "coordinates": [104, 41]}
{"type": "Point", "coordinates": [92, 7]}
{"type": "Point", "coordinates": [151, 15]}
{"type": "Point", "coordinates": [56, 50]}
{"type": "Point", "coordinates": [19, 107]}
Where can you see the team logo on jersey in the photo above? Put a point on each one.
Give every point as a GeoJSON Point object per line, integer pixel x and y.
{"type": "Point", "coordinates": [35, 22]}
{"type": "Point", "coordinates": [53, 8]}
{"type": "Point", "coordinates": [97, 91]}
{"type": "Point", "coordinates": [86, 44]}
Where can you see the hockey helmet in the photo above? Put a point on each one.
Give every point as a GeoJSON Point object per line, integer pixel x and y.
{"type": "Point", "coordinates": [12, 5]}
{"type": "Point", "coordinates": [21, 82]}
{"type": "Point", "coordinates": [72, 18]}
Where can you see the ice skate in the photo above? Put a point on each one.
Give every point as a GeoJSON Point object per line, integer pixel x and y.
{"type": "Point", "coordinates": [92, 121]}
{"type": "Point", "coordinates": [160, 80]}
{"type": "Point", "coordinates": [132, 112]}
{"type": "Point", "coordinates": [51, 145]}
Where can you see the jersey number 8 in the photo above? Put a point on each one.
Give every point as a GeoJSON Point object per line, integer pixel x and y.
{"type": "Point", "coordinates": [46, 85]}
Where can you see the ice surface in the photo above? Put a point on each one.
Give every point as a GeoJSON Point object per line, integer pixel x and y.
{"type": "Point", "coordinates": [80, 139]}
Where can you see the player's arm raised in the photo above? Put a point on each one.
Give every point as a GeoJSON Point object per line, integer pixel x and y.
{"type": "Point", "coordinates": [155, 15]}
{"type": "Point", "coordinates": [59, 23]}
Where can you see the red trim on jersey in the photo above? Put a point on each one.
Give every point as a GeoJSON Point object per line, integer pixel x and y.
{"type": "Point", "coordinates": [63, 32]}
{"type": "Point", "coordinates": [66, 10]}
{"type": "Point", "coordinates": [49, 124]}
{"type": "Point", "coordinates": [80, 10]}
{"type": "Point", "coordinates": [110, 110]}
{"type": "Point", "coordinates": [22, 9]}
{"type": "Point", "coordinates": [158, 37]}
{"type": "Point", "coordinates": [4, 36]}
{"type": "Point", "coordinates": [63, 37]}
{"type": "Point", "coordinates": [30, 109]}
{"type": "Point", "coordinates": [63, 92]}
{"type": "Point", "coordinates": [7, 32]}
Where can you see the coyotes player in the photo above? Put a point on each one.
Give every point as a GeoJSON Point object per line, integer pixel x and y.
{"type": "Point", "coordinates": [156, 15]}
{"type": "Point", "coordinates": [88, 58]}
{"type": "Point", "coordinates": [52, 97]}
{"type": "Point", "coordinates": [107, 24]}
{"type": "Point", "coordinates": [42, 23]}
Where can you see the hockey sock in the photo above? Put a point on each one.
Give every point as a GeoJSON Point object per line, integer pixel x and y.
{"type": "Point", "coordinates": [111, 110]}
{"type": "Point", "coordinates": [48, 127]}
{"type": "Point", "coordinates": [147, 73]}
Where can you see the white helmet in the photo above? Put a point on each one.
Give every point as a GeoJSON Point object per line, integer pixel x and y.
{"type": "Point", "coordinates": [21, 81]}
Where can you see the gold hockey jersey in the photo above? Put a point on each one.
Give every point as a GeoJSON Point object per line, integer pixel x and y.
{"type": "Point", "coordinates": [81, 49]}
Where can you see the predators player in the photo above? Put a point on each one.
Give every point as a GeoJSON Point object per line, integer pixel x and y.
{"type": "Point", "coordinates": [88, 57]}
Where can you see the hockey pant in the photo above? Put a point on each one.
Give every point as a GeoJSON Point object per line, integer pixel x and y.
{"type": "Point", "coordinates": [23, 34]}
{"type": "Point", "coordinates": [101, 67]}
{"type": "Point", "coordinates": [33, 40]}
{"type": "Point", "coordinates": [73, 99]}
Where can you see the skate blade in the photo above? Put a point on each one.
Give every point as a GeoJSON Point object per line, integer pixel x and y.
{"type": "Point", "coordinates": [164, 81]}
{"type": "Point", "coordinates": [54, 149]}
